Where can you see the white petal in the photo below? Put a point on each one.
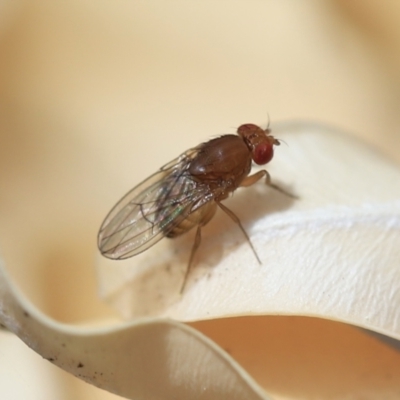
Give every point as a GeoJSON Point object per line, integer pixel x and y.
{"type": "Point", "coordinates": [333, 253]}
{"type": "Point", "coordinates": [150, 359]}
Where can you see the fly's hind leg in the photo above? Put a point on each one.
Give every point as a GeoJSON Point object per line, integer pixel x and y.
{"type": "Point", "coordinates": [251, 179]}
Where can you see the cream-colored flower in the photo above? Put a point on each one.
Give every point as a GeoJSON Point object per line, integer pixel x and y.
{"type": "Point", "coordinates": [331, 254]}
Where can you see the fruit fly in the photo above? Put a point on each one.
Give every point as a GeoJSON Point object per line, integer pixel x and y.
{"type": "Point", "coordinates": [186, 193]}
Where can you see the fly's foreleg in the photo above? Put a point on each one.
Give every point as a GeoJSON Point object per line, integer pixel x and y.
{"type": "Point", "coordinates": [252, 179]}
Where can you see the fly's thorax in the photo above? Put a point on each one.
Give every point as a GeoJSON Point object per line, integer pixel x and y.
{"type": "Point", "coordinates": [222, 161]}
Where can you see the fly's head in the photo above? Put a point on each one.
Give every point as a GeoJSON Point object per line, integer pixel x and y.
{"type": "Point", "coordinates": [259, 141]}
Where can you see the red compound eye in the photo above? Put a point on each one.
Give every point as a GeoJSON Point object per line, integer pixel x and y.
{"type": "Point", "coordinates": [263, 153]}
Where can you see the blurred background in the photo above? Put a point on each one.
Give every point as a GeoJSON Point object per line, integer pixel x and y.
{"type": "Point", "coordinates": [95, 96]}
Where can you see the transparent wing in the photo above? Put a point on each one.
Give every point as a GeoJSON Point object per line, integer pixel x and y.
{"type": "Point", "coordinates": [152, 209]}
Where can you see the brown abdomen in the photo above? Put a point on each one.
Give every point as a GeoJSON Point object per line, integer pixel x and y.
{"type": "Point", "coordinates": [199, 217]}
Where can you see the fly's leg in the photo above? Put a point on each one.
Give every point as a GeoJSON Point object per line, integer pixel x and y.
{"type": "Point", "coordinates": [251, 179]}
{"type": "Point", "coordinates": [200, 218]}
{"type": "Point", "coordinates": [196, 244]}
{"type": "Point", "coordinates": [235, 219]}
